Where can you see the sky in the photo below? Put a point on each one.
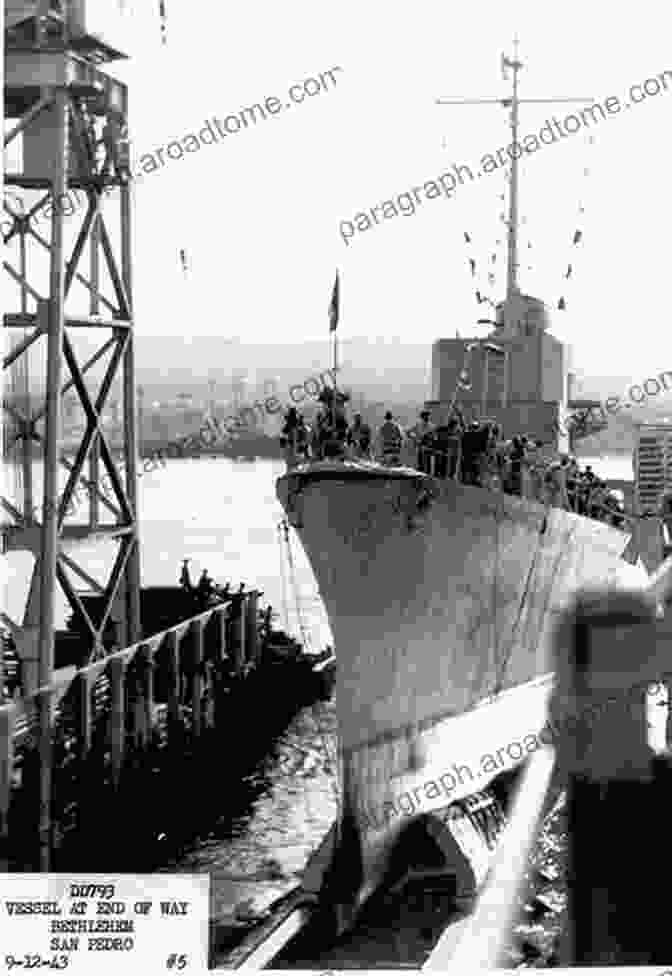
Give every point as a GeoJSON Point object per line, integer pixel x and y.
{"type": "Point", "coordinates": [258, 213]}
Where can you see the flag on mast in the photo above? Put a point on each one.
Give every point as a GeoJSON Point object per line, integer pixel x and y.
{"type": "Point", "coordinates": [334, 306]}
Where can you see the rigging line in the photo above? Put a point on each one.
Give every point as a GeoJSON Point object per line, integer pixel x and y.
{"type": "Point", "coordinates": [305, 638]}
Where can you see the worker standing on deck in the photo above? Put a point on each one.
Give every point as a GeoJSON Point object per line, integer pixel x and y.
{"type": "Point", "coordinates": [185, 579]}
{"type": "Point", "coordinates": [302, 434]}
{"type": "Point", "coordinates": [359, 437]}
{"type": "Point", "coordinates": [516, 455]}
{"type": "Point", "coordinates": [390, 439]}
{"type": "Point", "coordinates": [555, 484]}
{"type": "Point", "coordinates": [206, 587]}
{"type": "Point", "coordinates": [474, 443]}
{"type": "Point", "coordinates": [490, 473]}
{"type": "Point", "coordinates": [447, 450]}
{"type": "Point", "coordinates": [295, 437]}
{"type": "Point", "coordinates": [535, 469]}
{"type": "Point", "coordinates": [421, 435]}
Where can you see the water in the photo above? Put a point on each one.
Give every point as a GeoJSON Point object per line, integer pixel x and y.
{"type": "Point", "coordinates": [223, 515]}
{"type": "Point", "coordinates": [616, 467]}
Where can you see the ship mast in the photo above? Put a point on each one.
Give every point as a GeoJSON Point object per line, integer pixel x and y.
{"type": "Point", "coordinates": [513, 103]}
{"type": "Point", "coordinates": [512, 256]}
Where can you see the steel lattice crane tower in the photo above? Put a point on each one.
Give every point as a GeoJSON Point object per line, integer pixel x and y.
{"type": "Point", "coordinates": [69, 118]}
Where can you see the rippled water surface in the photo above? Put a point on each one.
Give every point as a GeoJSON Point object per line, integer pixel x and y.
{"type": "Point", "coordinates": [261, 857]}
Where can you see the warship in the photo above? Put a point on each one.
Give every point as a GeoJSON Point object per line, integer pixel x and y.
{"type": "Point", "coordinates": [443, 599]}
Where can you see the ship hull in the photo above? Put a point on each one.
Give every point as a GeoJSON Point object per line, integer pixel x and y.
{"type": "Point", "coordinates": [441, 597]}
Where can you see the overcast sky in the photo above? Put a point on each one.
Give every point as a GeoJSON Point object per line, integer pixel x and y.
{"type": "Point", "coordinates": [258, 214]}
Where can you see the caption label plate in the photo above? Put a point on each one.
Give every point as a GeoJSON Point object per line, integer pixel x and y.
{"type": "Point", "coordinates": [100, 923]}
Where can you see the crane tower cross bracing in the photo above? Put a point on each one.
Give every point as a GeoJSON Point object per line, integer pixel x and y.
{"type": "Point", "coordinates": [65, 122]}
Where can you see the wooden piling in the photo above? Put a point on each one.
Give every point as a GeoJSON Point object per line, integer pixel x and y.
{"type": "Point", "coordinates": [174, 688]}
{"type": "Point", "coordinates": [148, 683]}
{"type": "Point", "coordinates": [191, 672]}
{"type": "Point", "coordinates": [222, 616]}
{"type": "Point", "coordinates": [196, 678]}
{"type": "Point", "coordinates": [252, 627]}
{"type": "Point", "coordinates": [141, 705]}
{"type": "Point", "coordinates": [210, 690]}
{"type": "Point", "coordinates": [117, 674]}
{"type": "Point", "coordinates": [7, 720]}
{"type": "Point", "coordinates": [237, 636]}
{"type": "Point", "coordinates": [242, 624]}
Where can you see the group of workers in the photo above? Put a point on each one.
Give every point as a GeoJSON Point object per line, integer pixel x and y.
{"type": "Point", "coordinates": [331, 437]}
{"type": "Point", "coordinates": [474, 453]}
{"type": "Point", "coordinates": [205, 590]}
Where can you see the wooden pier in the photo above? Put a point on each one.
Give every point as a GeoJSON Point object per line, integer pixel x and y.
{"type": "Point", "coordinates": [150, 719]}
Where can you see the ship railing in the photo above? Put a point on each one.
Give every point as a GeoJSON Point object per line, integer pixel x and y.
{"type": "Point", "coordinates": [613, 776]}
{"type": "Point", "coordinates": [532, 484]}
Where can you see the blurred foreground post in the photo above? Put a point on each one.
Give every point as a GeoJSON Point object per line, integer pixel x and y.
{"type": "Point", "coordinates": [618, 790]}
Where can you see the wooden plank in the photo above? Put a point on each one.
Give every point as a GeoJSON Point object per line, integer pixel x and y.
{"type": "Point", "coordinates": [269, 946]}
